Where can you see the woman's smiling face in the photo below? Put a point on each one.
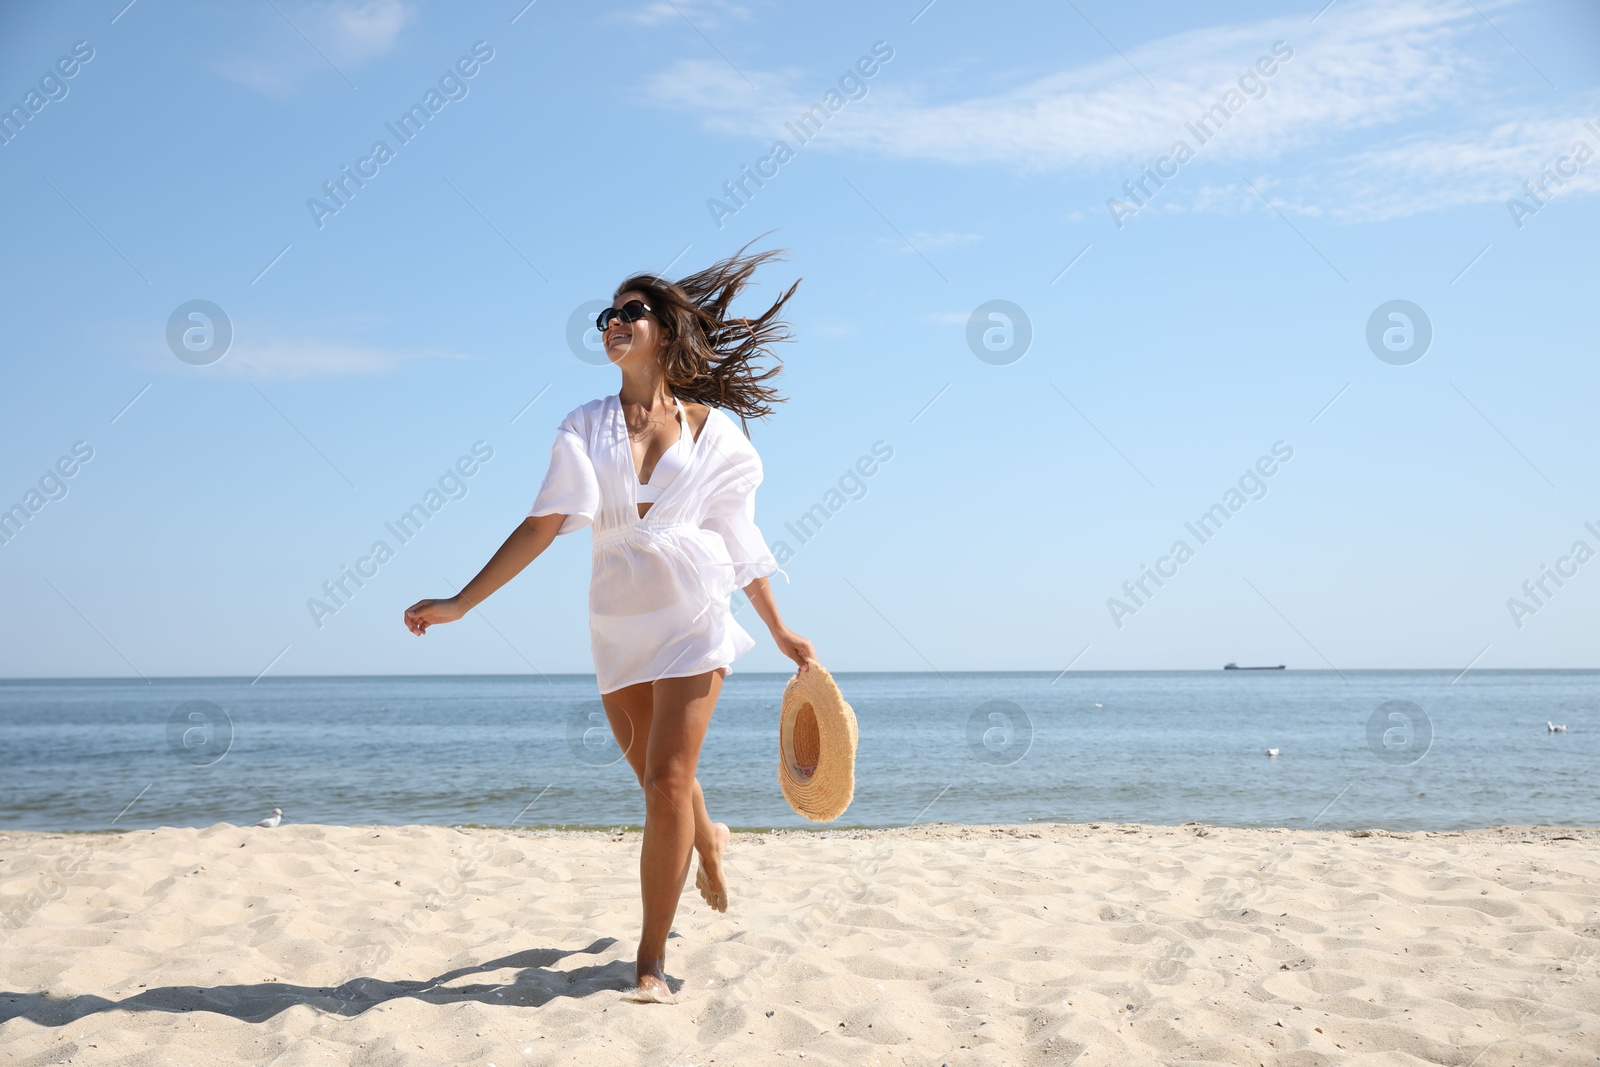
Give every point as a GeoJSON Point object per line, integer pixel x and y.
{"type": "Point", "coordinates": [640, 339]}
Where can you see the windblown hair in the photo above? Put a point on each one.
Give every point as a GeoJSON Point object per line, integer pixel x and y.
{"type": "Point", "coordinates": [706, 353]}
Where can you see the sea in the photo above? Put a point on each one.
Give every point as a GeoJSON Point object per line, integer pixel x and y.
{"type": "Point", "coordinates": [1398, 750]}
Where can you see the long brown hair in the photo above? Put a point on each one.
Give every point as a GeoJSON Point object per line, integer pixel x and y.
{"type": "Point", "coordinates": [706, 353]}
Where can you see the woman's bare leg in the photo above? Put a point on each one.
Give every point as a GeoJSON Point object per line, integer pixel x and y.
{"type": "Point", "coordinates": [681, 714]}
{"type": "Point", "coordinates": [710, 840]}
{"type": "Point", "coordinates": [630, 711]}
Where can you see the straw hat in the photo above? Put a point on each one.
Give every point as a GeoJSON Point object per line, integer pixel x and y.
{"type": "Point", "coordinates": [816, 745]}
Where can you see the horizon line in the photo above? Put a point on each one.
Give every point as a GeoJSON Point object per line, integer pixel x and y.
{"type": "Point", "coordinates": [931, 674]}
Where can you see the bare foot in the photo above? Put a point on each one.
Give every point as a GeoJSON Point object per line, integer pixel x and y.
{"type": "Point", "coordinates": [650, 985]}
{"type": "Point", "coordinates": [709, 879]}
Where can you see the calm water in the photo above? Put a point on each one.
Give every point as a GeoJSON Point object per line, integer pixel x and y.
{"type": "Point", "coordinates": [1005, 747]}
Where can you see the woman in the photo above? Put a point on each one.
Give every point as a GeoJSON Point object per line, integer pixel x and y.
{"type": "Point", "coordinates": [668, 482]}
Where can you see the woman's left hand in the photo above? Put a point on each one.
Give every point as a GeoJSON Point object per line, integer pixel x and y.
{"type": "Point", "coordinates": [794, 646]}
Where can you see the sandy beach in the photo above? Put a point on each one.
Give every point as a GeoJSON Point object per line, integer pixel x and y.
{"type": "Point", "coordinates": [937, 944]}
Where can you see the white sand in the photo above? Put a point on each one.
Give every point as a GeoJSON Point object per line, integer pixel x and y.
{"type": "Point", "coordinates": [931, 945]}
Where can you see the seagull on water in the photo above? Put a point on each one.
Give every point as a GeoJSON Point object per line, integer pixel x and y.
{"type": "Point", "coordinates": [1272, 752]}
{"type": "Point", "coordinates": [1554, 727]}
{"type": "Point", "coordinates": [272, 820]}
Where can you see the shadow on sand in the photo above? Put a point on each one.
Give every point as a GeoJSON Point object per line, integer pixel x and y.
{"type": "Point", "coordinates": [536, 983]}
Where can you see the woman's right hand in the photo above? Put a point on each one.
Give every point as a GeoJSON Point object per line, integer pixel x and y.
{"type": "Point", "coordinates": [795, 647]}
{"type": "Point", "coordinates": [424, 613]}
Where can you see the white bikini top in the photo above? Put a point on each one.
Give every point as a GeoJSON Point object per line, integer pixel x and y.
{"type": "Point", "coordinates": [671, 462]}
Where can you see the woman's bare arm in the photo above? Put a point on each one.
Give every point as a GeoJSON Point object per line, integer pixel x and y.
{"type": "Point", "coordinates": [526, 542]}
{"type": "Point", "coordinates": [789, 643]}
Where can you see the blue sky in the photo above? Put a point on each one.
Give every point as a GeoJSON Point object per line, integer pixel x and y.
{"type": "Point", "coordinates": [1175, 338]}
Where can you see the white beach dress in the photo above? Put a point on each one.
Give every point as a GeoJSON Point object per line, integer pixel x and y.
{"type": "Point", "coordinates": [659, 591]}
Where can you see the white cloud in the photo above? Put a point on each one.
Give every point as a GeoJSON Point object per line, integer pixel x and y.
{"type": "Point", "coordinates": [1425, 172]}
{"type": "Point", "coordinates": [363, 30]}
{"type": "Point", "coordinates": [1381, 64]}
{"type": "Point", "coordinates": [1422, 74]}
{"type": "Point", "coordinates": [697, 12]}
{"type": "Point", "coordinates": [1438, 172]}
{"type": "Point", "coordinates": [285, 357]}
{"type": "Point", "coordinates": [346, 33]}
{"type": "Point", "coordinates": [315, 357]}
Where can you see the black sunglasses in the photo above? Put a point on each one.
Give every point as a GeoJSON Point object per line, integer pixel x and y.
{"type": "Point", "coordinates": [629, 312]}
